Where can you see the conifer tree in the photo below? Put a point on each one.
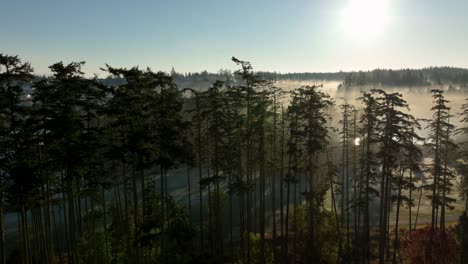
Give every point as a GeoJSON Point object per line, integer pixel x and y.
{"type": "Point", "coordinates": [440, 144]}
{"type": "Point", "coordinates": [368, 165]}
{"type": "Point", "coordinates": [395, 125]}
{"type": "Point", "coordinates": [14, 74]}
{"type": "Point", "coordinates": [309, 106]}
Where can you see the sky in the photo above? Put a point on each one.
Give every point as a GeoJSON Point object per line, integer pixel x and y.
{"type": "Point", "coordinates": [275, 35]}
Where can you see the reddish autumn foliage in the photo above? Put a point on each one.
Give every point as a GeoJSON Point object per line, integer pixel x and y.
{"type": "Point", "coordinates": [429, 246]}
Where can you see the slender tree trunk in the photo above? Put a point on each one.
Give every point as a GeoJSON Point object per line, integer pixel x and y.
{"type": "Point", "coordinates": [219, 246]}
{"type": "Point", "coordinates": [286, 239]}
{"type": "Point", "coordinates": [106, 243]}
{"type": "Point", "coordinates": [200, 166]}
{"type": "Point", "coordinates": [368, 142]}
{"type": "Point", "coordinates": [189, 196]}
{"type": "Point", "coordinates": [444, 185]}
{"type": "Point", "coordinates": [311, 252]}
{"type": "Point", "coordinates": [396, 241]}
{"type": "Point", "coordinates": [25, 236]}
{"type": "Point", "coordinates": [273, 177]}
{"type": "Point", "coordinates": [356, 202]}
{"type": "Point", "coordinates": [383, 217]}
{"type": "Point", "coordinates": [210, 221]}
{"type": "Point", "coordinates": [343, 173]}
{"type": "Point", "coordinates": [68, 222]}
{"type": "Point", "coordinates": [417, 211]}
{"type": "Point", "coordinates": [438, 200]}
{"type": "Point", "coordinates": [163, 215]}
{"type": "Point", "coordinates": [250, 207]}
{"type": "Point", "coordinates": [296, 230]}
{"type": "Point", "coordinates": [2, 232]}
{"type": "Point", "coordinates": [34, 242]}
{"type": "Point", "coordinates": [464, 242]}
{"type": "Point", "coordinates": [361, 230]}
{"type": "Point", "coordinates": [136, 218]}
{"type": "Point", "coordinates": [436, 174]}
{"type": "Point", "coordinates": [126, 193]}
{"type": "Point", "coordinates": [282, 183]}
{"type": "Point", "coordinates": [142, 188]}
{"type": "Point", "coordinates": [242, 226]}
{"type": "Point", "coordinates": [20, 237]}
{"type": "Point", "coordinates": [385, 187]}
{"type": "Point", "coordinates": [48, 221]}
{"type": "Point", "coordinates": [262, 195]}
{"type": "Point", "coordinates": [410, 206]}
{"type": "Point", "coordinates": [231, 240]}
{"type": "Point", "coordinates": [78, 208]}
{"type": "Point", "coordinates": [348, 239]}
{"type": "Point", "coordinates": [288, 187]}
{"type": "Point", "coordinates": [388, 208]}
{"type": "Point", "coordinates": [334, 209]}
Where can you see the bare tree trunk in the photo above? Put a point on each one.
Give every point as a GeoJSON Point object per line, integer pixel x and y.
{"type": "Point", "coordinates": [444, 186]}
{"type": "Point", "coordinates": [2, 233]}
{"type": "Point", "coordinates": [25, 236]}
{"type": "Point", "coordinates": [383, 217]}
{"type": "Point", "coordinates": [231, 241]}
{"type": "Point", "coordinates": [356, 203]}
{"type": "Point", "coordinates": [369, 132]}
{"type": "Point", "coordinates": [210, 221]}
{"type": "Point", "coordinates": [66, 222]}
{"type": "Point", "coordinates": [273, 177]}
{"type": "Point", "coordinates": [282, 183]}
{"type": "Point", "coordinates": [250, 207]}
{"type": "Point", "coordinates": [103, 197]}
{"type": "Point", "coordinates": [361, 250]}
{"type": "Point", "coordinates": [200, 166]}
{"type": "Point", "coordinates": [163, 214]}
{"type": "Point", "coordinates": [136, 218]}
{"type": "Point", "coordinates": [286, 238]}
{"type": "Point", "coordinates": [295, 253]}
{"type": "Point", "coordinates": [262, 195]}
{"type": "Point", "coordinates": [49, 225]}
{"type": "Point", "coordinates": [288, 190]}
{"type": "Point", "coordinates": [410, 206]}
{"type": "Point", "coordinates": [78, 208]}
{"type": "Point", "coordinates": [396, 241]}
{"type": "Point", "coordinates": [417, 211]}
{"type": "Point", "coordinates": [189, 196]}
{"type": "Point", "coordinates": [334, 209]}
{"type": "Point", "coordinates": [347, 204]}
{"type": "Point", "coordinates": [126, 193]}
{"type": "Point", "coordinates": [436, 174]}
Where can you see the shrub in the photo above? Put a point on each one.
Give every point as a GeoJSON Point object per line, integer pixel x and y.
{"type": "Point", "coordinates": [429, 246]}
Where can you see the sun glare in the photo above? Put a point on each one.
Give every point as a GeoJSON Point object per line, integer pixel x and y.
{"type": "Point", "coordinates": [357, 141]}
{"type": "Point", "coordinates": [365, 18]}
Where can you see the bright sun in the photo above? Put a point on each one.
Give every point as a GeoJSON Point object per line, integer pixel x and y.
{"type": "Point", "coordinates": [365, 18]}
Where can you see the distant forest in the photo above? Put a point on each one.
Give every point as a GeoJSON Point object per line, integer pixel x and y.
{"type": "Point", "coordinates": [454, 78]}
{"type": "Point", "coordinates": [142, 168]}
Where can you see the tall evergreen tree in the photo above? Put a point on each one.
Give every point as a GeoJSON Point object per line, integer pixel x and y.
{"type": "Point", "coordinates": [14, 74]}
{"type": "Point", "coordinates": [309, 106]}
{"type": "Point", "coordinates": [395, 125]}
{"type": "Point", "coordinates": [440, 143]}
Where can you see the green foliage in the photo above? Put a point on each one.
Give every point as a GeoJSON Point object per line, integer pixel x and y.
{"type": "Point", "coordinates": [91, 248]}
{"type": "Point", "coordinates": [254, 242]}
{"type": "Point", "coordinates": [326, 237]}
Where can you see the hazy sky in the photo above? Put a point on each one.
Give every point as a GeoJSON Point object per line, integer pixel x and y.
{"type": "Point", "coordinates": [194, 35]}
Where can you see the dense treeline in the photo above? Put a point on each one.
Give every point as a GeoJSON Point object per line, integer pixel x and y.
{"type": "Point", "coordinates": [385, 77]}
{"type": "Point", "coordinates": [457, 78]}
{"type": "Point", "coordinates": [87, 169]}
